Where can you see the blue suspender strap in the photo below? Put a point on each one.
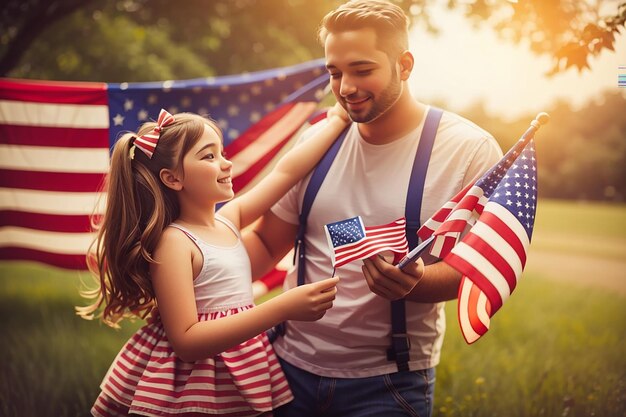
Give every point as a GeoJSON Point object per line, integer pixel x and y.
{"type": "Point", "coordinates": [309, 196]}
{"type": "Point", "coordinates": [400, 342]}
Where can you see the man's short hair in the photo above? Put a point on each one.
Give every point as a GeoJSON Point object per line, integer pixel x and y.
{"type": "Point", "coordinates": [387, 19]}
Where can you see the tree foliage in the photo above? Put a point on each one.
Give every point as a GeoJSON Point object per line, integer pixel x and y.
{"type": "Point", "coordinates": [76, 39]}
{"type": "Point", "coordinates": [581, 154]}
{"type": "Point", "coordinates": [570, 31]}
{"type": "Point", "coordinates": [153, 40]}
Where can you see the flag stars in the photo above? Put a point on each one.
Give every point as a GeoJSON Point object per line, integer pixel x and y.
{"type": "Point", "coordinates": [214, 101]}
{"type": "Point", "coordinates": [167, 85]}
{"type": "Point", "coordinates": [152, 99]}
{"type": "Point", "coordinates": [509, 203]}
{"type": "Point", "coordinates": [118, 120]}
{"type": "Point", "coordinates": [128, 105]}
{"type": "Point", "coordinates": [185, 102]}
{"type": "Point", "coordinates": [142, 115]}
{"type": "Point", "coordinates": [222, 123]}
{"type": "Point", "coordinates": [244, 98]}
{"type": "Point", "coordinates": [233, 134]}
{"type": "Point", "coordinates": [233, 110]}
{"type": "Point", "coordinates": [256, 90]}
{"type": "Point", "coordinates": [255, 116]}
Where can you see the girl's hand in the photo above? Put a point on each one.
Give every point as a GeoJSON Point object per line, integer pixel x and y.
{"type": "Point", "coordinates": [338, 111]}
{"type": "Point", "coordinates": [309, 302]}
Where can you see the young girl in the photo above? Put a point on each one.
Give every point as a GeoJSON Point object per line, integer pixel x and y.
{"type": "Point", "coordinates": [163, 251]}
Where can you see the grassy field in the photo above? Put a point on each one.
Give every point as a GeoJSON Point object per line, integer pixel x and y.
{"type": "Point", "coordinates": [553, 350]}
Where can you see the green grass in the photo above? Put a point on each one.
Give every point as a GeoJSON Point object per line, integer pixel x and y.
{"type": "Point", "coordinates": [553, 350]}
{"type": "Point", "coordinates": [597, 229]}
{"type": "Point", "coordinates": [605, 220]}
{"type": "Point", "coordinates": [53, 360]}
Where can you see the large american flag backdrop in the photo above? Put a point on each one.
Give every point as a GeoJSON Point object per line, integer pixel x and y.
{"type": "Point", "coordinates": [55, 139]}
{"type": "Point", "coordinates": [484, 232]}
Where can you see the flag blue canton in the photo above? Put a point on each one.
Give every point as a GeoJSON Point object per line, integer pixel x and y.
{"type": "Point", "coordinates": [235, 102]}
{"type": "Point", "coordinates": [346, 231]}
{"type": "Point", "coordinates": [515, 188]}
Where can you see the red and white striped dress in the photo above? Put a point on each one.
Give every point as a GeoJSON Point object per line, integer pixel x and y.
{"type": "Point", "coordinates": [147, 378]}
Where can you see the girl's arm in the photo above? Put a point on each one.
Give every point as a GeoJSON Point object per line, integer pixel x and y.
{"type": "Point", "coordinates": [172, 280]}
{"type": "Point", "coordinates": [291, 168]}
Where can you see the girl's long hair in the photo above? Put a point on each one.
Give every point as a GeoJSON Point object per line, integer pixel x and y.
{"type": "Point", "coordinates": [138, 208]}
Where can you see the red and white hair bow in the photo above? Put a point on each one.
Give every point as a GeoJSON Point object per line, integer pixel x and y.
{"type": "Point", "coordinates": [147, 143]}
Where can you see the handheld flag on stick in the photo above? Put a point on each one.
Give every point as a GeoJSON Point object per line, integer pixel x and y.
{"type": "Point", "coordinates": [499, 210]}
{"type": "Point", "coordinates": [351, 240]}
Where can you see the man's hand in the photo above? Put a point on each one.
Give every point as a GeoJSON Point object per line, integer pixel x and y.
{"type": "Point", "coordinates": [389, 281]}
{"type": "Point", "coordinates": [340, 112]}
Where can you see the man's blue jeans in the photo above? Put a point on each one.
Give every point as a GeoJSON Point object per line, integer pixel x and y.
{"type": "Point", "coordinates": [393, 395]}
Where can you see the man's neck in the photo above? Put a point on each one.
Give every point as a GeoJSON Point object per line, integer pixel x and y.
{"type": "Point", "coordinates": [403, 117]}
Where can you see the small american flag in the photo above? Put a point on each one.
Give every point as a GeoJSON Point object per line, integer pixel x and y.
{"type": "Point", "coordinates": [350, 240]}
{"type": "Point", "coordinates": [499, 211]}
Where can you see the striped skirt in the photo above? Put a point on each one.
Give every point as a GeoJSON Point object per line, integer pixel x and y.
{"type": "Point", "coordinates": [147, 378]}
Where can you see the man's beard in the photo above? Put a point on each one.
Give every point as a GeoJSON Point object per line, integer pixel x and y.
{"type": "Point", "coordinates": [380, 105]}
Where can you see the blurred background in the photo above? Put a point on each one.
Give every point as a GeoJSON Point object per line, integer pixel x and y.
{"type": "Point", "coordinates": [555, 349]}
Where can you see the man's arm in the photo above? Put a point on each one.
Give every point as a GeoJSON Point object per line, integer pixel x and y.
{"type": "Point", "coordinates": [268, 242]}
{"type": "Point", "coordinates": [440, 282]}
{"type": "Point", "coordinates": [416, 282]}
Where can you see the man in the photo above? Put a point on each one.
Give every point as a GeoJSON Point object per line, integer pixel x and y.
{"type": "Point", "coordinates": [338, 366]}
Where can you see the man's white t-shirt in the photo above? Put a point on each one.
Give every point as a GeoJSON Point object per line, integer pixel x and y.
{"type": "Point", "coordinates": [371, 181]}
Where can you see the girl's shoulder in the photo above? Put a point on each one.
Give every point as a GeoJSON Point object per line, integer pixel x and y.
{"type": "Point", "coordinates": [174, 236]}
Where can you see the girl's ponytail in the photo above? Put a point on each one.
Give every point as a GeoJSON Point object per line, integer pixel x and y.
{"type": "Point", "coordinates": [138, 208]}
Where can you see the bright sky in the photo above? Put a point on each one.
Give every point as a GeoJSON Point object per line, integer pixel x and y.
{"type": "Point", "coordinates": [460, 65]}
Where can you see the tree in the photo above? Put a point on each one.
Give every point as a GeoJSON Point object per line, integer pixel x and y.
{"type": "Point", "coordinates": [229, 36]}
{"type": "Point", "coordinates": [24, 21]}
{"type": "Point", "coordinates": [581, 154]}
{"type": "Point", "coordinates": [569, 30]}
